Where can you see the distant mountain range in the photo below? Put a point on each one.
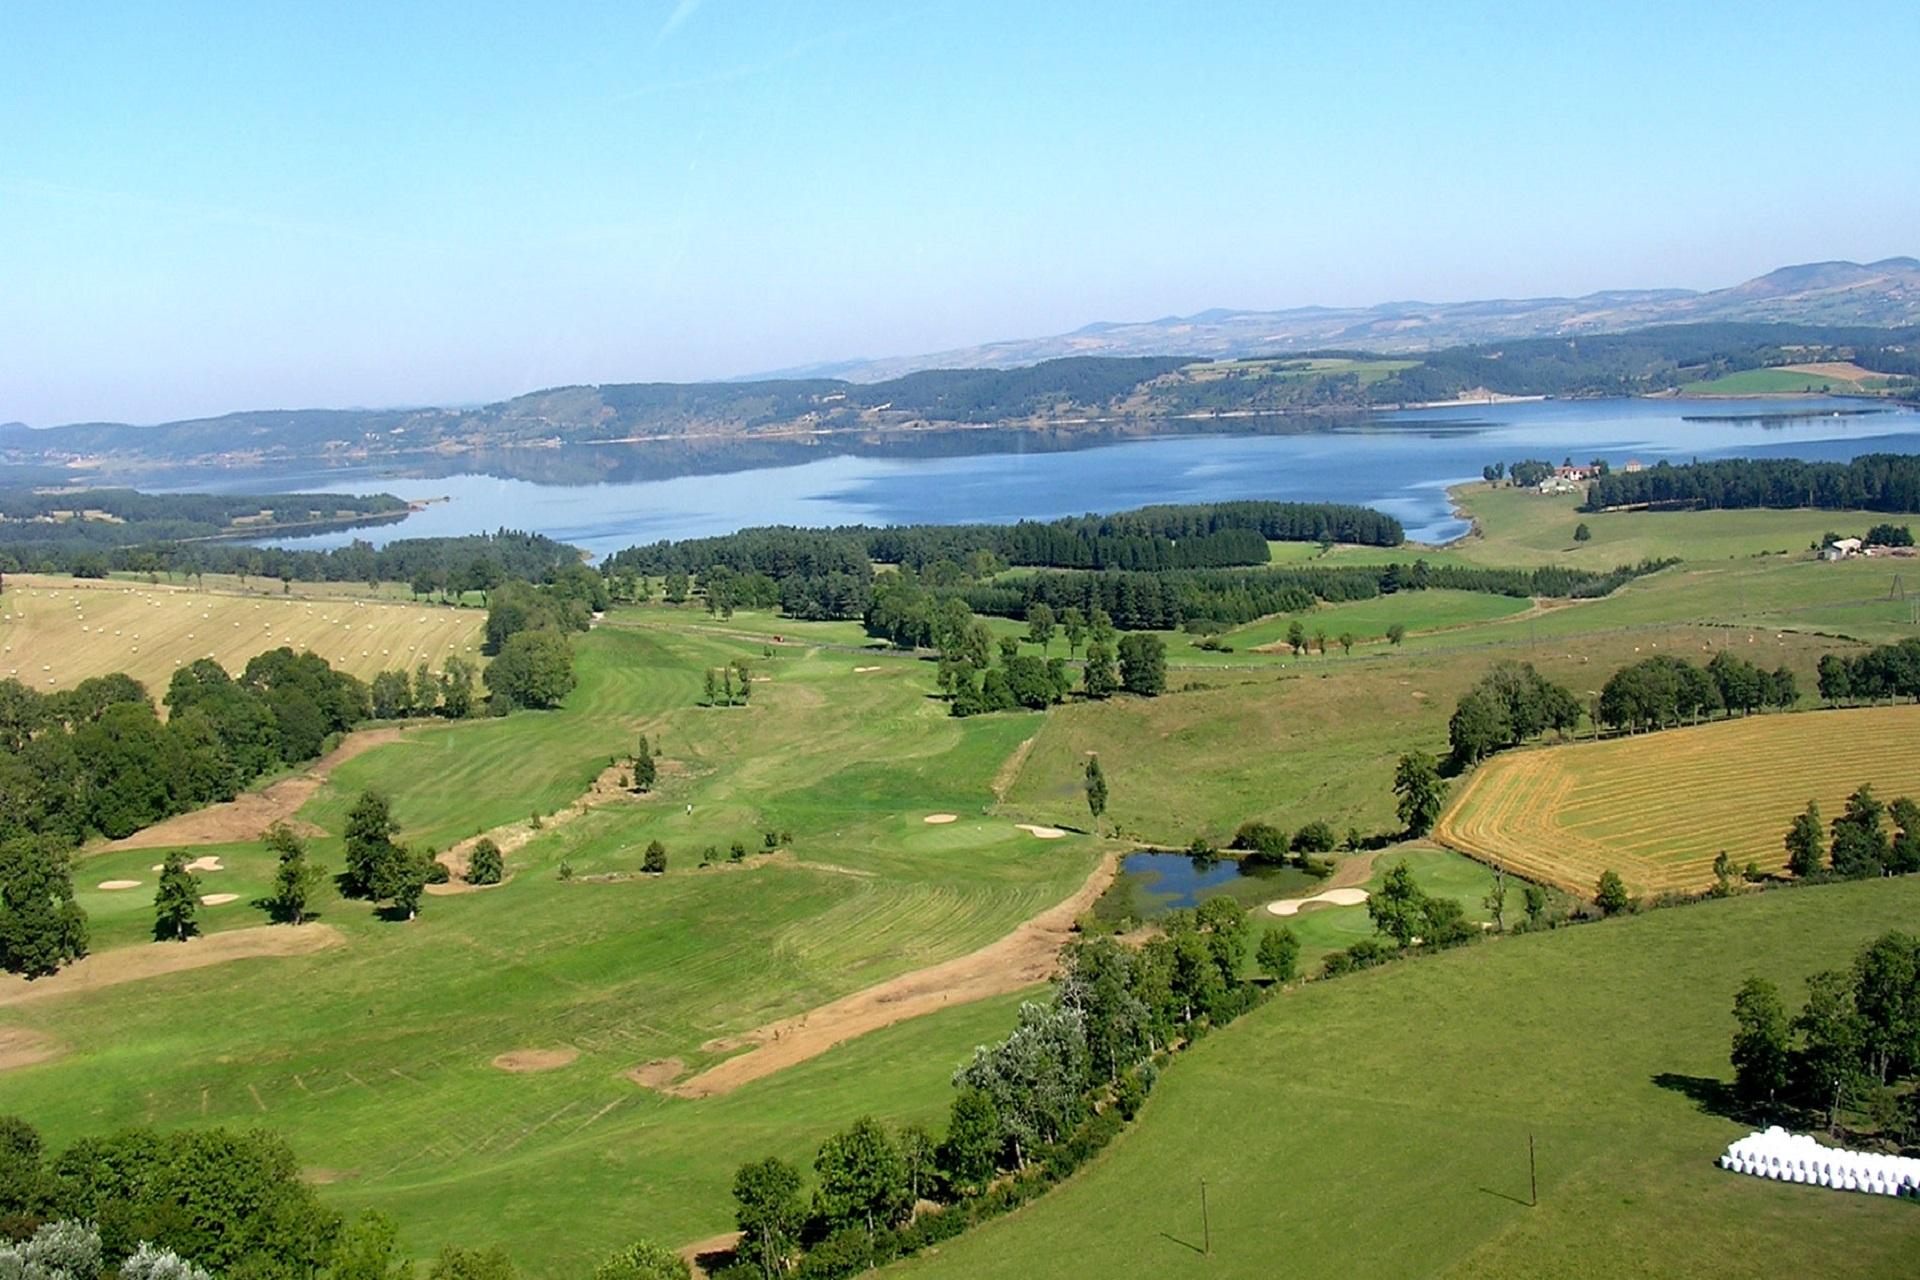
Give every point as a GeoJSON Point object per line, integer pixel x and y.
{"type": "Point", "coordinates": [1880, 294]}
{"type": "Point", "coordinates": [1132, 377]}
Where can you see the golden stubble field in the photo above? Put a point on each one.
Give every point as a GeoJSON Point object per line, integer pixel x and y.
{"type": "Point", "coordinates": [56, 632]}
{"type": "Point", "coordinates": [1658, 807]}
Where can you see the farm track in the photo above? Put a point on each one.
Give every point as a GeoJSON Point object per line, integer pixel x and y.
{"type": "Point", "coordinates": [1658, 808]}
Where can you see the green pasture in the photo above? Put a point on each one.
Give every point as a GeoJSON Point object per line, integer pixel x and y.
{"type": "Point", "coordinates": [1767, 382]}
{"type": "Point", "coordinates": [1368, 620]}
{"type": "Point", "coordinates": [1379, 1124]}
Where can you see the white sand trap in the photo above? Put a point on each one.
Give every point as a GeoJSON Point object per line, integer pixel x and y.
{"type": "Point", "coordinates": [940, 819]}
{"type": "Point", "coordinates": [860, 671]}
{"type": "Point", "coordinates": [1332, 897]}
{"type": "Point", "coordinates": [205, 864]}
{"type": "Point", "coordinates": [1042, 833]}
{"type": "Point", "coordinates": [218, 899]}
{"type": "Point", "coordinates": [111, 885]}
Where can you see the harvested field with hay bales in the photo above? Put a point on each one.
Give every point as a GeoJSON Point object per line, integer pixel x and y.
{"type": "Point", "coordinates": [56, 632]}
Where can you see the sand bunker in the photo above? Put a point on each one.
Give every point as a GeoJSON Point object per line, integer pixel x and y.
{"type": "Point", "coordinates": [111, 885]}
{"type": "Point", "coordinates": [1041, 833]}
{"type": "Point", "coordinates": [940, 819]}
{"type": "Point", "coordinates": [1332, 898]}
{"type": "Point", "coordinates": [198, 864]}
{"type": "Point", "coordinates": [521, 1061]}
{"type": "Point", "coordinates": [218, 899]}
{"type": "Point", "coordinates": [860, 671]}
{"type": "Point", "coordinates": [658, 1074]}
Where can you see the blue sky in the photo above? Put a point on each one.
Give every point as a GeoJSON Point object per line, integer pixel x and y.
{"type": "Point", "coordinates": [209, 207]}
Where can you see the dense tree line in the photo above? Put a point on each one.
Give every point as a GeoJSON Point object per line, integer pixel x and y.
{"type": "Point", "coordinates": [1027, 1110]}
{"type": "Point", "coordinates": [127, 517]}
{"type": "Point", "coordinates": [1869, 838]}
{"type": "Point", "coordinates": [1662, 691]}
{"type": "Point", "coordinates": [1510, 704]}
{"type": "Point", "coordinates": [828, 573]}
{"type": "Point", "coordinates": [1853, 1045]}
{"type": "Point", "coordinates": [213, 1204]}
{"type": "Point", "coordinates": [1887, 671]}
{"type": "Point", "coordinates": [478, 562]}
{"type": "Point", "coordinates": [1872, 482]}
{"type": "Point", "coordinates": [1224, 598]}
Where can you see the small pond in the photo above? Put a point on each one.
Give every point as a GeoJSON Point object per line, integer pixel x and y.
{"type": "Point", "coordinates": [1152, 884]}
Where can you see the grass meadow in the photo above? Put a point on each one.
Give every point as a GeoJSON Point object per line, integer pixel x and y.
{"type": "Point", "coordinates": [1378, 1124]}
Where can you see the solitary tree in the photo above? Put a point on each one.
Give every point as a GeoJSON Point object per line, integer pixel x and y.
{"type": "Point", "coordinates": [1760, 1041]}
{"type": "Point", "coordinates": [1100, 680]}
{"type": "Point", "coordinates": [1416, 781]}
{"type": "Point", "coordinates": [1143, 664]}
{"type": "Point", "coordinates": [643, 1260]}
{"type": "Point", "coordinates": [1040, 624]}
{"type": "Point", "coordinates": [1346, 643]}
{"type": "Point", "coordinates": [1804, 840]}
{"type": "Point", "coordinates": [1096, 786]}
{"type": "Point", "coordinates": [655, 862]}
{"type": "Point", "coordinates": [1074, 626]}
{"type": "Point", "coordinates": [1610, 895]}
{"type": "Point", "coordinates": [400, 878]}
{"type": "Point", "coordinates": [41, 926]}
{"type": "Point", "coordinates": [1830, 1032]}
{"type": "Point", "coordinates": [176, 902]}
{"type": "Point", "coordinates": [1396, 633]}
{"type": "Point", "coordinates": [644, 769]}
{"type": "Point", "coordinates": [484, 863]}
{"type": "Point", "coordinates": [863, 1180]}
{"type": "Point", "coordinates": [1496, 899]}
{"type": "Point", "coordinates": [369, 839]}
{"type": "Point", "coordinates": [1581, 533]}
{"type": "Point", "coordinates": [295, 880]}
{"type": "Point", "coordinates": [970, 1153]}
{"type": "Point", "coordinates": [1297, 637]}
{"type": "Point", "coordinates": [768, 1213]}
{"type": "Point", "coordinates": [1400, 906]}
{"type": "Point", "coordinates": [1279, 954]}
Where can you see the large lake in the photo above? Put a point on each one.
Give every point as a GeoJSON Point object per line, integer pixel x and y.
{"type": "Point", "coordinates": [608, 497]}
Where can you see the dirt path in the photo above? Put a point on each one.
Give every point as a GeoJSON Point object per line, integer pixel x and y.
{"type": "Point", "coordinates": [247, 815]}
{"type": "Point", "coordinates": [133, 964]}
{"type": "Point", "coordinates": [609, 788]}
{"type": "Point", "coordinates": [725, 1242]}
{"type": "Point", "coordinates": [1020, 959]}
{"type": "Point", "coordinates": [1352, 871]}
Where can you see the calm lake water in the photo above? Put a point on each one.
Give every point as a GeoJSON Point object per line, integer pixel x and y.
{"type": "Point", "coordinates": [608, 497]}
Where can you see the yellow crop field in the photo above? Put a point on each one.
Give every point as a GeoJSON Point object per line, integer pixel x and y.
{"type": "Point", "coordinates": [1658, 807]}
{"type": "Point", "coordinates": [55, 632]}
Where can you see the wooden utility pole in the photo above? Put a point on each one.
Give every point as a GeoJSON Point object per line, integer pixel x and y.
{"type": "Point", "coordinates": [1206, 1222]}
{"type": "Point", "coordinates": [1533, 1176]}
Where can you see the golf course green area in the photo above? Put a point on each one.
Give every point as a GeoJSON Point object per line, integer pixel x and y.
{"type": "Point", "coordinates": [1378, 1124]}
{"type": "Point", "coordinates": [375, 1054]}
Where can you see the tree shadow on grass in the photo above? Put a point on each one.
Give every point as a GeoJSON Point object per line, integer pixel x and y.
{"type": "Point", "coordinates": [1718, 1098]}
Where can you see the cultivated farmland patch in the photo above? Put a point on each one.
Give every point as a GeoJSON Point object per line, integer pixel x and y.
{"type": "Point", "coordinates": [1658, 808]}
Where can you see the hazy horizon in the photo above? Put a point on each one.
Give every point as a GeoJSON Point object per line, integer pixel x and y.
{"type": "Point", "coordinates": [229, 209]}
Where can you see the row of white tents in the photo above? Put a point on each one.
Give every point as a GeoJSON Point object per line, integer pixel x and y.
{"type": "Point", "coordinates": [1796, 1157]}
